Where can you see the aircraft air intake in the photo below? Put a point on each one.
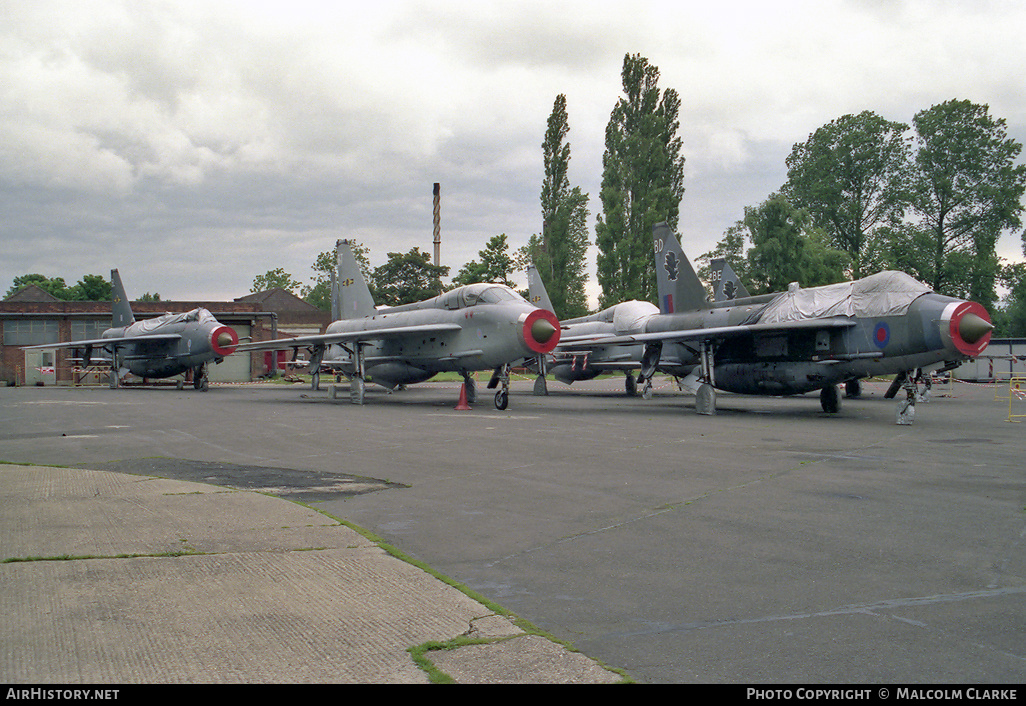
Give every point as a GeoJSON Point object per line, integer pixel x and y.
{"type": "Point", "coordinates": [540, 331]}
{"type": "Point", "coordinates": [224, 340]}
{"type": "Point", "coordinates": [966, 327]}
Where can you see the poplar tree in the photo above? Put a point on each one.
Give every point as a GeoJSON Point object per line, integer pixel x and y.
{"type": "Point", "coordinates": [560, 253]}
{"type": "Point", "coordinates": [642, 182]}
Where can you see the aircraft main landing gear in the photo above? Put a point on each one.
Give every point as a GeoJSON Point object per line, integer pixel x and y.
{"type": "Point", "coordinates": [200, 381]}
{"type": "Point", "coordinates": [830, 399]}
{"type": "Point", "coordinates": [906, 412]}
{"type": "Point", "coordinates": [501, 375]}
{"type": "Point", "coordinates": [470, 386]}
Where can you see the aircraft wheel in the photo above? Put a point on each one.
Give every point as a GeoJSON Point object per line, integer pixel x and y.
{"type": "Point", "coordinates": [501, 399]}
{"type": "Point", "coordinates": [853, 389]}
{"type": "Point", "coordinates": [204, 384]}
{"type": "Point", "coordinates": [830, 399]}
{"type": "Point", "coordinates": [471, 390]}
{"type": "Point", "coordinates": [631, 385]}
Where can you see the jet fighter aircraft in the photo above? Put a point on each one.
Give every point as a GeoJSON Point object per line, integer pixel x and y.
{"type": "Point", "coordinates": [474, 327]}
{"type": "Point", "coordinates": [803, 339]}
{"type": "Point", "coordinates": [161, 347]}
{"type": "Point", "coordinates": [580, 354]}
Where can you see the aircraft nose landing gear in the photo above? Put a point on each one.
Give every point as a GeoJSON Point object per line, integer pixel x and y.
{"type": "Point", "coordinates": [501, 375]}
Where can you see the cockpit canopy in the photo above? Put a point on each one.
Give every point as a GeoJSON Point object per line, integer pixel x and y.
{"type": "Point", "coordinates": [466, 296]}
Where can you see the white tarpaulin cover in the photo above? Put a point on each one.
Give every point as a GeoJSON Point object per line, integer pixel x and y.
{"type": "Point", "coordinates": [147, 325]}
{"type": "Point", "coordinates": [886, 293]}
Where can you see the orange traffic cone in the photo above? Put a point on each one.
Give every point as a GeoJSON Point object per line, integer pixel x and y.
{"type": "Point", "coordinates": [463, 398]}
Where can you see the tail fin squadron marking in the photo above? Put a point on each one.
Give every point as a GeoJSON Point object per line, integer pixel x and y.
{"type": "Point", "coordinates": [354, 297]}
{"type": "Point", "coordinates": [536, 289]}
{"type": "Point", "coordinates": [120, 309]}
{"type": "Point", "coordinates": [726, 285]}
{"type": "Point", "coordinates": [678, 285]}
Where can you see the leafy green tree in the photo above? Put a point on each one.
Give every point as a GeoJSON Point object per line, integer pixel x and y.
{"type": "Point", "coordinates": [273, 279]}
{"type": "Point", "coordinates": [642, 182]}
{"type": "Point", "coordinates": [787, 248]}
{"type": "Point", "coordinates": [91, 288]}
{"type": "Point", "coordinates": [496, 264]}
{"type": "Point", "coordinates": [966, 190]}
{"type": "Point", "coordinates": [155, 297]}
{"type": "Point", "coordinates": [1010, 321]}
{"type": "Point", "coordinates": [732, 249]}
{"type": "Point", "coordinates": [407, 278]}
{"type": "Point", "coordinates": [849, 177]}
{"type": "Point", "coordinates": [560, 253]}
{"type": "Point", "coordinates": [55, 287]}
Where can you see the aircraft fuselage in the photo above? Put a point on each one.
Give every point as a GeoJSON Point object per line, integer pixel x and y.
{"type": "Point", "coordinates": [484, 336]}
{"type": "Point", "coordinates": [935, 332]}
{"type": "Point", "coordinates": [172, 344]}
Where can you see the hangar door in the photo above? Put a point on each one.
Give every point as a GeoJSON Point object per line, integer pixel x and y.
{"type": "Point", "coordinates": [236, 367]}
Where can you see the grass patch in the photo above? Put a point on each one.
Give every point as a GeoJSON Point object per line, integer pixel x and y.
{"type": "Point", "coordinates": [78, 557]}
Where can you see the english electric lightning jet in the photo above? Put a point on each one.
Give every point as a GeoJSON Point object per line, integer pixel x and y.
{"type": "Point", "coordinates": [802, 340]}
{"type": "Point", "coordinates": [474, 327]}
{"type": "Point", "coordinates": [580, 354]}
{"type": "Point", "coordinates": [161, 347]}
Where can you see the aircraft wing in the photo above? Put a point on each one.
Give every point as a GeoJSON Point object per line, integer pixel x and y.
{"type": "Point", "coordinates": [100, 342]}
{"type": "Point", "coordinates": [714, 332]}
{"type": "Point", "coordinates": [325, 339]}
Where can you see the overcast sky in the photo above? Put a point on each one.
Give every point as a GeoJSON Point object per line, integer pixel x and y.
{"type": "Point", "coordinates": [195, 145]}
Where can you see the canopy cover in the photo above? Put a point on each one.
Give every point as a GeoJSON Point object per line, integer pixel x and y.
{"type": "Point", "coordinates": [887, 293]}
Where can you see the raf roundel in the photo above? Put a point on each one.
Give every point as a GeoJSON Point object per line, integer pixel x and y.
{"type": "Point", "coordinates": [881, 334]}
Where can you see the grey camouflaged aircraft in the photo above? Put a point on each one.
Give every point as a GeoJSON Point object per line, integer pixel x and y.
{"type": "Point", "coordinates": [579, 355]}
{"type": "Point", "coordinates": [474, 327]}
{"type": "Point", "coordinates": [801, 340]}
{"type": "Point", "coordinates": [160, 347]}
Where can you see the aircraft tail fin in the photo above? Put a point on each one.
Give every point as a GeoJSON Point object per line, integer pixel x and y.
{"type": "Point", "coordinates": [120, 308]}
{"type": "Point", "coordinates": [536, 289]}
{"type": "Point", "coordinates": [678, 285]}
{"type": "Point", "coordinates": [354, 297]}
{"type": "Point", "coordinates": [726, 285]}
{"type": "Point", "coordinates": [336, 305]}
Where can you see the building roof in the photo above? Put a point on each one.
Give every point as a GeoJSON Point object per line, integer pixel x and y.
{"type": "Point", "coordinates": [32, 293]}
{"type": "Point", "coordinates": [278, 299]}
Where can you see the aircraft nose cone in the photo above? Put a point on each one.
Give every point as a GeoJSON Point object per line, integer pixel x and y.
{"type": "Point", "coordinates": [224, 339]}
{"type": "Point", "coordinates": [972, 328]}
{"type": "Point", "coordinates": [542, 331]}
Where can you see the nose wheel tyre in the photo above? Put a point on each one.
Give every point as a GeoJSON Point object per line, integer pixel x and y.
{"type": "Point", "coordinates": [501, 399]}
